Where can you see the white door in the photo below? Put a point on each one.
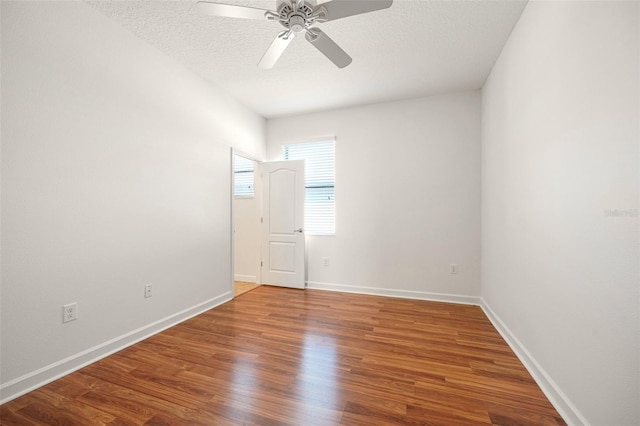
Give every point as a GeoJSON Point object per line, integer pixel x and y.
{"type": "Point", "coordinates": [283, 221]}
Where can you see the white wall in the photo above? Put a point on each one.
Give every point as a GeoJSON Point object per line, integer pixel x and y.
{"type": "Point", "coordinates": [407, 196]}
{"type": "Point", "coordinates": [115, 174]}
{"type": "Point", "coordinates": [560, 141]}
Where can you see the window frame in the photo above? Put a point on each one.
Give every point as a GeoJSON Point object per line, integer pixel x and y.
{"type": "Point", "coordinates": [315, 229]}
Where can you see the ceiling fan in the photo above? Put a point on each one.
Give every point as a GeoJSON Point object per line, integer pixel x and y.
{"type": "Point", "coordinates": [298, 16]}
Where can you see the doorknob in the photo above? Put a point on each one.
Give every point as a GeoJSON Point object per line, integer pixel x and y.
{"type": "Point", "coordinates": [298, 230]}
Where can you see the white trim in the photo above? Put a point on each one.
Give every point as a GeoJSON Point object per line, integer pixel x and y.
{"type": "Point", "coordinates": [552, 391]}
{"type": "Point", "coordinates": [247, 156]}
{"type": "Point", "coordinates": [406, 294]}
{"type": "Point", "coordinates": [246, 278]}
{"type": "Point", "coordinates": [42, 376]}
{"type": "Point", "coordinates": [232, 222]}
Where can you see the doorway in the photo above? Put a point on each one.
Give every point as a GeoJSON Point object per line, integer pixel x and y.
{"type": "Point", "coordinates": [246, 203]}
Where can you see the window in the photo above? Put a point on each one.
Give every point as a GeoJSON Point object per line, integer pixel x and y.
{"type": "Point", "coordinates": [320, 203]}
{"type": "Point", "coordinates": [243, 180]}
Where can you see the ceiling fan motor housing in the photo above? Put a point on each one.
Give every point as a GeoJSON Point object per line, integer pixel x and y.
{"type": "Point", "coordinates": [296, 23]}
{"type": "Point", "coordinates": [296, 16]}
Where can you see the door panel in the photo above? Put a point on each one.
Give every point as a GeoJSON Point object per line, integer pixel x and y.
{"type": "Point", "coordinates": [283, 257]}
{"type": "Point", "coordinates": [282, 206]}
{"type": "Point", "coordinates": [283, 215]}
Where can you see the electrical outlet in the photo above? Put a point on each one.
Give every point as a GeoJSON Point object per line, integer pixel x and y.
{"type": "Point", "coordinates": [70, 312]}
{"type": "Point", "coordinates": [148, 291]}
{"type": "Point", "coordinates": [453, 268]}
{"type": "Point", "coordinates": [325, 261]}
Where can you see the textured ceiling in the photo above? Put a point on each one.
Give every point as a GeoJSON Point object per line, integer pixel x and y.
{"type": "Point", "coordinates": [415, 48]}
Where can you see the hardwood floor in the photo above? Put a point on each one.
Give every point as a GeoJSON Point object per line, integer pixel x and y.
{"type": "Point", "coordinates": [303, 357]}
{"type": "Point", "coordinates": [242, 287]}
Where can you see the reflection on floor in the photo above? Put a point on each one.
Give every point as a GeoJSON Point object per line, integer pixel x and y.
{"type": "Point", "coordinates": [241, 287]}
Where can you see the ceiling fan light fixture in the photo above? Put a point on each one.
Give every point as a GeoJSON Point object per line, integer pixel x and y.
{"type": "Point", "coordinates": [297, 24]}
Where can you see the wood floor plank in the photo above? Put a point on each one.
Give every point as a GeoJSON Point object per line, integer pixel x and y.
{"type": "Point", "coordinates": [279, 356]}
{"type": "Point", "coordinates": [55, 409]}
{"type": "Point", "coordinates": [242, 287]}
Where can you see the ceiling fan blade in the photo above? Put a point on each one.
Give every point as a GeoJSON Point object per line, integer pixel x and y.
{"type": "Point", "coordinates": [276, 49]}
{"type": "Point", "coordinates": [337, 9]}
{"type": "Point", "coordinates": [328, 47]}
{"type": "Point", "coordinates": [231, 11]}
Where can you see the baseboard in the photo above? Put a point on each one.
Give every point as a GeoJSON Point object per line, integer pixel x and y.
{"type": "Point", "coordinates": [31, 381]}
{"type": "Point", "coordinates": [246, 278]}
{"type": "Point", "coordinates": [552, 391]}
{"type": "Point", "coordinates": [406, 294]}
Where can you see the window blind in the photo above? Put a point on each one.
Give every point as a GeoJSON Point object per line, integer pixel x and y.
{"type": "Point", "coordinates": [243, 177]}
{"type": "Point", "coordinates": [320, 206]}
